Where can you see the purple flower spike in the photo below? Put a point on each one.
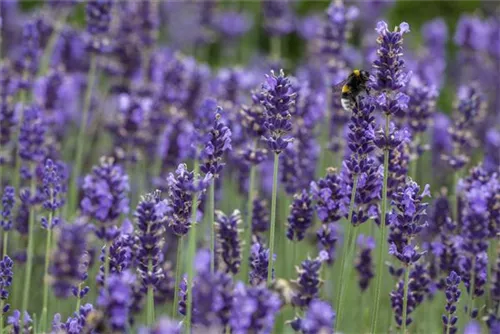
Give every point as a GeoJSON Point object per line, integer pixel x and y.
{"type": "Point", "coordinates": [150, 215]}
{"type": "Point", "coordinates": [278, 99]}
{"type": "Point", "coordinates": [114, 301]}
{"type": "Point", "coordinates": [105, 197]}
{"type": "Point", "coordinates": [260, 216]}
{"type": "Point", "coordinates": [259, 260]}
{"type": "Point", "coordinates": [8, 203]}
{"type": "Point", "coordinates": [228, 240]}
{"type": "Point", "coordinates": [98, 23]}
{"type": "Point", "coordinates": [279, 18]}
{"type": "Point", "coordinates": [182, 187]}
{"type": "Point", "coordinates": [364, 265]}
{"type": "Point", "coordinates": [6, 275]}
{"type": "Point", "coordinates": [254, 309]}
{"type": "Point", "coordinates": [452, 297]}
{"type": "Point", "coordinates": [19, 325]}
{"type": "Point", "coordinates": [319, 318]}
{"type": "Point", "coordinates": [301, 215]}
{"type": "Point", "coordinates": [390, 74]}
{"type": "Point", "coordinates": [328, 195]}
{"type": "Point", "coordinates": [328, 236]}
{"type": "Point", "coordinates": [53, 190]}
{"type": "Point", "coordinates": [29, 59]}
{"type": "Point", "coordinates": [308, 281]}
{"type": "Point", "coordinates": [66, 269]}
{"type": "Point", "coordinates": [218, 143]}
{"type": "Point", "coordinates": [32, 135]}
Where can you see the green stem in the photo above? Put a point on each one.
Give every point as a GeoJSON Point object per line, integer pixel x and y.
{"type": "Point", "coordinates": [275, 48]}
{"type": "Point", "coordinates": [44, 64]}
{"type": "Point", "coordinates": [178, 269]}
{"type": "Point", "coordinates": [380, 259]}
{"type": "Point", "coordinates": [43, 320]}
{"type": "Point", "coordinates": [78, 299]}
{"type": "Point", "coordinates": [31, 241]}
{"type": "Point", "coordinates": [248, 228]}
{"type": "Point", "coordinates": [345, 266]}
{"type": "Point", "coordinates": [273, 219]}
{"type": "Point", "coordinates": [191, 254]}
{"type": "Point", "coordinates": [17, 159]}
{"type": "Point", "coordinates": [470, 305]}
{"type": "Point", "coordinates": [405, 297]}
{"type": "Point", "coordinates": [448, 326]}
{"type": "Point", "coordinates": [414, 162]}
{"type": "Point", "coordinates": [80, 146]}
{"type": "Point", "coordinates": [211, 222]}
{"type": "Point", "coordinates": [5, 242]}
{"type": "Point", "coordinates": [2, 303]}
{"type": "Point", "coordinates": [106, 264]}
{"type": "Point", "coordinates": [454, 196]}
{"type": "Point", "coordinates": [325, 133]}
{"type": "Point", "coordinates": [150, 307]}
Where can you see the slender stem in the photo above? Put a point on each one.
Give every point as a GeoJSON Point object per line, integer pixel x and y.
{"type": "Point", "coordinates": [448, 326]}
{"type": "Point", "coordinates": [43, 320]}
{"type": "Point", "coordinates": [80, 146]}
{"type": "Point", "coordinates": [248, 227]}
{"type": "Point", "coordinates": [178, 269]}
{"type": "Point", "coordinates": [106, 264]}
{"type": "Point", "coordinates": [275, 47]}
{"type": "Point", "coordinates": [191, 254]}
{"type": "Point", "coordinates": [349, 249]}
{"type": "Point", "coordinates": [405, 297]}
{"type": "Point", "coordinates": [31, 241]}
{"type": "Point", "coordinates": [380, 259]}
{"type": "Point", "coordinates": [454, 196]}
{"type": "Point", "coordinates": [150, 307]}
{"type": "Point", "coordinates": [2, 303]}
{"type": "Point", "coordinates": [78, 299]}
{"type": "Point", "coordinates": [273, 219]}
{"type": "Point", "coordinates": [17, 159]}
{"type": "Point", "coordinates": [414, 162]}
{"type": "Point", "coordinates": [325, 134]}
{"type": "Point", "coordinates": [211, 220]}
{"type": "Point", "coordinates": [470, 305]}
{"type": "Point", "coordinates": [44, 65]}
{"type": "Point", "coordinates": [5, 242]}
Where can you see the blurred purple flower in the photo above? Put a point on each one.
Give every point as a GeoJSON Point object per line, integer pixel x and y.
{"type": "Point", "coordinates": [229, 241]}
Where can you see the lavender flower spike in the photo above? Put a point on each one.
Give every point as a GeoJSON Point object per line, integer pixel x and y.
{"type": "Point", "coordinates": [308, 281]}
{"type": "Point", "coordinates": [6, 275]}
{"type": "Point", "coordinates": [259, 262]}
{"type": "Point", "coordinates": [228, 240]}
{"type": "Point", "coordinates": [300, 218]}
{"type": "Point", "coordinates": [181, 188]}
{"type": "Point", "coordinates": [278, 98]}
{"type": "Point", "coordinates": [8, 203]}
{"type": "Point", "coordinates": [452, 297]}
{"type": "Point", "coordinates": [319, 318]}
{"type": "Point", "coordinates": [105, 197]}
{"type": "Point", "coordinates": [219, 142]}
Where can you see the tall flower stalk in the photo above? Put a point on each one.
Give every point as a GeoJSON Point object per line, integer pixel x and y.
{"type": "Point", "coordinates": [217, 143]}
{"type": "Point", "coordinates": [278, 97]}
{"type": "Point", "coordinates": [52, 193]}
{"type": "Point", "coordinates": [359, 166]}
{"type": "Point", "coordinates": [390, 78]}
{"type": "Point", "coordinates": [98, 22]}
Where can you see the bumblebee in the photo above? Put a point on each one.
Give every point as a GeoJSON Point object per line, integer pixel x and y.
{"type": "Point", "coordinates": [352, 87]}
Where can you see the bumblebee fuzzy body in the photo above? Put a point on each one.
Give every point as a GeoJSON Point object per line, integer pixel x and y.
{"type": "Point", "coordinates": [352, 87]}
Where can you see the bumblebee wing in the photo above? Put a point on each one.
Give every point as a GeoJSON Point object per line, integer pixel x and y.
{"type": "Point", "coordinates": [338, 86]}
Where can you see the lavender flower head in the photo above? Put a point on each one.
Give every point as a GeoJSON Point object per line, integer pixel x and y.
{"type": "Point", "coordinates": [8, 203]}
{"type": "Point", "coordinates": [278, 99]}
{"type": "Point", "coordinates": [259, 261]}
{"type": "Point", "coordinates": [279, 19]}
{"type": "Point", "coordinates": [150, 215]}
{"type": "Point", "coordinates": [163, 326]}
{"type": "Point", "coordinates": [301, 216]}
{"type": "Point", "coordinates": [254, 309]}
{"type": "Point", "coordinates": [260, 216]}
{"type": "Point", "coordinates": [65, 269]}
{"type": "Point", "coordinates": [452, 296]}
{"type": "Point", "coordinates": [114, 301]}
{"type": "Point", "coordinates": [182, 187]}
{"type": "Point", "coordinates": [389, 68]}
{"type": "Point", "coordinates": [6, 275]}
{"type": "Point", "coordinates": [228, 240]}
{"type": "Point", "coordinates": [364, 265]}
{"type": "Point", "coordinates": [328, 194]}
{"type": "Point", "coordinates": [20, 325]}
{"type": "Point", "coordinates": [218, 142]}
{"type": "Point", "coordinates": [53, 190]}
{"type": "Point", "coordinates": [29, 59]}
{"type": "Point", "coordinates": [32, 135]}
{"type": "Point", "coordinates": [327, 236]}
{"type": "Point", "coordinates": [308, 280]}
{"type": "Point", "coordinates": [105, 197]}
{"type": "Point", "coordinates": [406, 223]}
{"type": "Point", "coordinates": [319, 318]}
{"type": "Point", "coordinates": [98, 22]}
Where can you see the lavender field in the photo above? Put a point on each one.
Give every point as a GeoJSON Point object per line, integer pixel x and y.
{"type": "Point", "coordinates": [226, 167]}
